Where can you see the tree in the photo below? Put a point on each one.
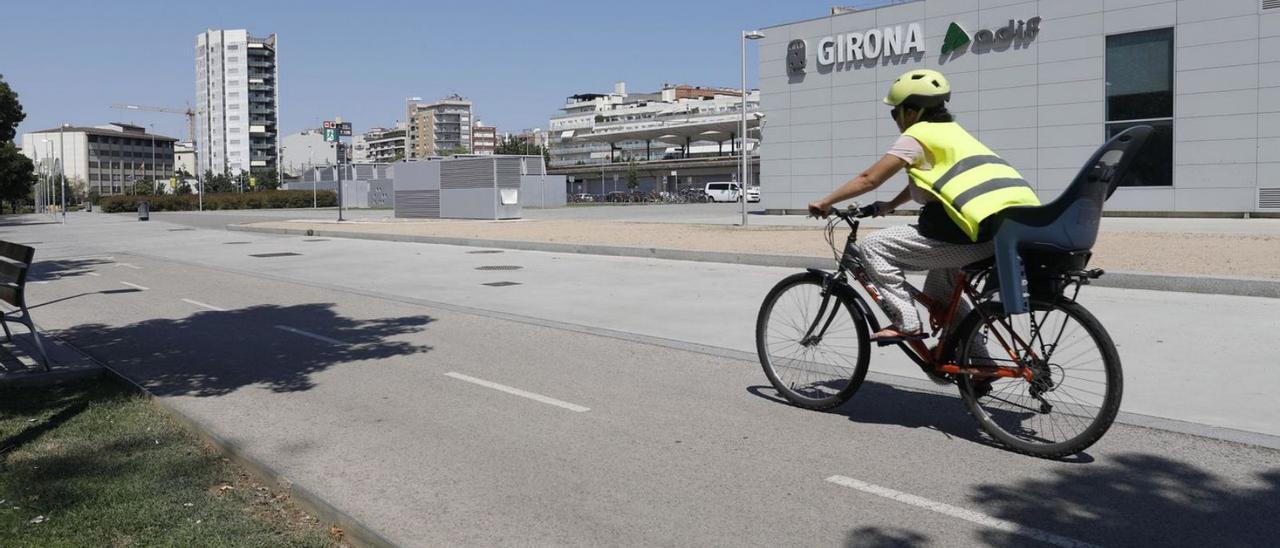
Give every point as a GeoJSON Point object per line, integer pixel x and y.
{"type": "Point", "coordinates": [11, 113]}
{"type": "Point", "coordinates": [633, 178]}
{"type": "Point", "coordinates": [265, 180]}
{"type": "Point", "coordinates": [398, 156]}
{"type": "Point", "coordinates": [144, 187]}
{"type": "Point", "coordinates": [519, 145]}
{"type": "Point", "coordinates": [217, 183]}
{"type": "Point", "coordinates": [17, 172]}
{"type": "Point", "coordinates": [453, 151]}
{"type": "Point", "coordinates": [17, 175]}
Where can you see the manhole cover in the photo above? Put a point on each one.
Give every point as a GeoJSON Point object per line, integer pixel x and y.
{"type": "Point", "coordinates": [501, 284]}
{"type": "Point", "coordinates": [485, 251]}
{"type": "Point", "coordinates": [180, 229]}
{"type": "Point", "coordinates": [316, 240]}
{"type": "Point", "coordinates": [499, 267]}
{"type": "Point", "coordinates": [267, 255]}
{"type": "Point", "coordinates": [236, 243]}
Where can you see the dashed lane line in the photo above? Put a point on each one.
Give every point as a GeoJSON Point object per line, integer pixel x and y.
{"type": "Point", "coordinates": [961, 513]}
{"type": "Point", "coordinates": [518, 392]}
{"type": "Point", "coordinates": [129, 265]}
{"type": "Point", "coordinates": [135, 286]}
{"type": "Point", "coordinates": [203, 305]}
{"type": "Point", "coordinates": [308, 334]}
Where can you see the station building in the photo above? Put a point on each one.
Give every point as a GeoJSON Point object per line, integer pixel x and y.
{"type": "Point", "coordinates": [1043, 83]}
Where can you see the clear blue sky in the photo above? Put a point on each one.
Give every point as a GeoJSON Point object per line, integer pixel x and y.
{"type": "Point", "coordinates": [517, 61]}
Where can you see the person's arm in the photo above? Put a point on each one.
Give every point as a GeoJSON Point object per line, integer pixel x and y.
{"type": "Point", "coordinates": [874, 176]}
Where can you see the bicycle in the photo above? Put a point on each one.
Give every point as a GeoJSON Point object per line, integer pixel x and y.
{"type": "Point", "coordinates": [1041, 398]}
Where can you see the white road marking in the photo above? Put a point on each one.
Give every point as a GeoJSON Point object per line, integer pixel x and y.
{"type": "Point", "coordinates": [518, 392]}
{"type": "Point", "coordinates": [297, 331]}
{"type": "Point", "coordinates": [957, 512]}
{"type": "Point", "coordinates": [129, 265]}
{"type": "Point", "coordinates": [136, 286]}
{"type": "Point", "coordinates": [203, 305]}
{"type": "Point", "coordinates": [93, 274]}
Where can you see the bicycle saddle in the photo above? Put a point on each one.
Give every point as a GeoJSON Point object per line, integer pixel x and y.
{"type": "Point", "coordinates": [1068, 224]}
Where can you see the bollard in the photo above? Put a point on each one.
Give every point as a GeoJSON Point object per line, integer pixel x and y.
{"type": "Point", "coordinates": [144, 211]}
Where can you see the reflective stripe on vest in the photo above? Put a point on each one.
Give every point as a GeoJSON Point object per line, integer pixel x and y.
{"type": "Point", "coordinates": [970, 181]}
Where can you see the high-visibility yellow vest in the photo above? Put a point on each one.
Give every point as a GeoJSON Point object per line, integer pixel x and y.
{"type": "Point", "coordinates": [970, 181]}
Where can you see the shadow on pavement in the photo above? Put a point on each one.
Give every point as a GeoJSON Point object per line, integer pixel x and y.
{"type": "Point", "coordinates": [877, 403]}
{"type": "Point", "coordinates": [884, 537]}
{"type": "Point", "coordinates": [1140, 500]}
{"type": "Point", "coordinates": [47, 270]}
{"type": "Point", "coordinates": [216, 353]}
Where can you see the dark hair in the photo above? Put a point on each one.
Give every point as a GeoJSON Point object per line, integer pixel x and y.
{"type": "Point", "coordinates": [935, 114]}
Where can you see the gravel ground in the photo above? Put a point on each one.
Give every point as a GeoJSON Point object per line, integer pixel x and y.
{"type": "Point", "coordinates": [1217, 254]}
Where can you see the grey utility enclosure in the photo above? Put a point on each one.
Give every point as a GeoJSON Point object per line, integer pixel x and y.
{"type": "Point", "coordinates": [462, 187]}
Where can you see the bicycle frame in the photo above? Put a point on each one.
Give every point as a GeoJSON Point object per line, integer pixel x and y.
{"type": "Point", "coordinates": [941, 320]}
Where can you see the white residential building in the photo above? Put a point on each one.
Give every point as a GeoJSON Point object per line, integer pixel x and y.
{"type": "Point", "coordinates": [439, 127]}
{"type": "Point", "coordinates": [381, 145]}
{"type": "Point", "coordinates": [237, 102]}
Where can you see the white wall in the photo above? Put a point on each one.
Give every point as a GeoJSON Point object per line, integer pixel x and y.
{"type": "Point", "coordinates": [1041, 107]}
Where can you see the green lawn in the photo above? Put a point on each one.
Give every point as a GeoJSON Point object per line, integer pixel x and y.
{"type": "Point", "coordinates": [95, 465]}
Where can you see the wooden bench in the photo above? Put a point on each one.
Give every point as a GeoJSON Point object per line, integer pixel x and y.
{"type": "Point", "coordinates": [15, 262]}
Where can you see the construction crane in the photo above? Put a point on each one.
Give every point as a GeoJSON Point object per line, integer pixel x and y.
{"type": "Point", "coordinates": [190, 114]}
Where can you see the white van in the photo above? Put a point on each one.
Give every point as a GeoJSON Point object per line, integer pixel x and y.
{"type": "Point", "coordinates": [723, 192]}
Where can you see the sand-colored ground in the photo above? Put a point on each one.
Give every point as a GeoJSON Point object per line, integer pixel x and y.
{"type": "Point", "coordinates": [1256, 256]}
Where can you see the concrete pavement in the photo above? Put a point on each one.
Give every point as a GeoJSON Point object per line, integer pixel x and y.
{"type": "Point", "coordinates": [334, 365]}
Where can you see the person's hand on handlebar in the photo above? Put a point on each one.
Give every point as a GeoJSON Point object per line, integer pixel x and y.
{"type": "Point", "coordinates": [819, 209]}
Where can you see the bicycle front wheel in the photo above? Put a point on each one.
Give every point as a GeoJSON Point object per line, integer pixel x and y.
{"type": "Point", "coordinates": [1074, 393]}
{"type": "Point", "coordinates": [815, 356]}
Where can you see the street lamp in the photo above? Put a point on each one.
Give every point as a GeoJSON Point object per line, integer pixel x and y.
{"type": "Point", "coordinates": [62, 163]}
{"type": "Point", "coordinates": [746, 166]}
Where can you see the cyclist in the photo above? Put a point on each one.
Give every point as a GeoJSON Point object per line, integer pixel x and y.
{"type": "Point", "coordinates": [961, 184]}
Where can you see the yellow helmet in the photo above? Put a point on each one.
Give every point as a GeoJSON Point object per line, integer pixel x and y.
{"type": "Point", "coordinates": [919, 88]}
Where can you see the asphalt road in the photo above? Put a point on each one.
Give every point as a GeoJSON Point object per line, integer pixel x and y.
{"type": "Point", "coordinates": [608, 401]}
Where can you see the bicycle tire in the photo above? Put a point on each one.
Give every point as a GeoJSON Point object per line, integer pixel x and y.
{"type": "Point", "coordinates": [857, 373]}
{"type": "Point", "coordinates": [1107, 409]}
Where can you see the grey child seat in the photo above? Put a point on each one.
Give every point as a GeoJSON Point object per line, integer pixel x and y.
{"type": "Point", "coordinates": [1066, 227]}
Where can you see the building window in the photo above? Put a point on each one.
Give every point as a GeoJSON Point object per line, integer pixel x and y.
{"type": "Point", "coordinates": [1140, 92]}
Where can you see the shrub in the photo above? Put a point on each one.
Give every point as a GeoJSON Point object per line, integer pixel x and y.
{"type": "Point", "coordinates": [272, 199]}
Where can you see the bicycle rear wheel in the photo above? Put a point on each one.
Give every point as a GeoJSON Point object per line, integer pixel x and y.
{"type": "Point", "coordinates": [814, 372]}
{"type": "Point", "coordinates": [1075, 391]}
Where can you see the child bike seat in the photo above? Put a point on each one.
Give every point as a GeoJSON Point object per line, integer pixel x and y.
{"type": "Point", "coordinates": [1068, 224]}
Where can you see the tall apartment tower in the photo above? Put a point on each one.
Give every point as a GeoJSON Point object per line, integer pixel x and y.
{"type": "Point", "coordinates": [237, 102]}
{"type": "Point", "coordinates": [439, 127]}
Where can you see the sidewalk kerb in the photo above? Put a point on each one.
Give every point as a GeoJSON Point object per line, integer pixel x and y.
{"type": "Point", "coordinates": [1215, 285]}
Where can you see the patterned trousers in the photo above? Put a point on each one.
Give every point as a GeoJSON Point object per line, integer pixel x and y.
{"type": "Point", "coordinates": [891, 251]}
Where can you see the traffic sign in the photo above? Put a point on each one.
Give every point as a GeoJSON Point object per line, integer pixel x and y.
{"type": "Point", "coordinates": [330, 134]}
{"type": "Point", "coordinates": [344, 129]}
{"type": "Point", "coordinates": [330, 124]}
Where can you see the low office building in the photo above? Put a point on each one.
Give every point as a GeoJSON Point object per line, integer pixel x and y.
{"type": "Point", "coordinates": [1043, 83]}
{"type": "Point", "coordinates": [107, 159]}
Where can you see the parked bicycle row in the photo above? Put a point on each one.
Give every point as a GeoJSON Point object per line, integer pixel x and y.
{"type": "Point", "coordinates": [711, 192]}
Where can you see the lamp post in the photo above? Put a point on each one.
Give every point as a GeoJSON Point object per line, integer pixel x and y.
{"type": "Point", "coordinates": [746, 165]}
{"type": "Point", "coordinates": [62, 162]}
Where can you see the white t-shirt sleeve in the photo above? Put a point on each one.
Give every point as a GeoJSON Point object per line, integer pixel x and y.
{"type": "Point", "coordinates": [908, 149]}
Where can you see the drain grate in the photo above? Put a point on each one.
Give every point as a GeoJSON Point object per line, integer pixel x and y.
{"type": "Point", "coordinates": [180, 229]}
{"type": "Point", "coordinates": [268, 255]}
{"type": "Point", "coordinates": [236, 243]}
{"type": "Point", "coordinates": [484, 251]}
{"type": "Point", "coordinates": [499, 267]}
{"type": "Point", "coordinates": [501, 284]}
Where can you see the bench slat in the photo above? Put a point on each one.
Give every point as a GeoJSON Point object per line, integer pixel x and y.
{"type": "Point", "coordinates": [16, 252]}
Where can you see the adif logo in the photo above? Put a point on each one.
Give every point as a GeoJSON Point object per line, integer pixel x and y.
{"type": "Point", "coordinates": [872, 44]}
{"type": "Point", "coordinates": [1017, 30]}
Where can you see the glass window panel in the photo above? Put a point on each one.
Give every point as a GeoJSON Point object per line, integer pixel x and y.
{"type": "Point", "coordinates": [1154, 167]}
{"type": "Point", "coordinates": [1140, 75]}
